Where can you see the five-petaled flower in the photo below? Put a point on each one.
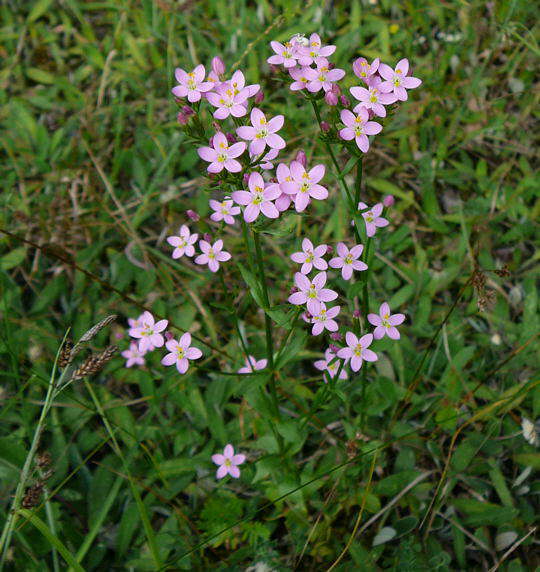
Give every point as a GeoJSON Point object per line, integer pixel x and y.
{"type": "Point", "coordinates": [310, 256]}
{"type": "Point", "coordinates": [372, 217]}
{"type": "Point", "coordinates": [183, 243]}
{"type": "Point", "coordinates": [192, 84]}
{"type": "Point", "coordinates": [285, 54]}
{"type": "Point", "coordinates": [358, 127]}
{"type": "Point", "coordinates": [181, 352]}
{"type": "Point", "coordinates": [228, 462]}
{"type": "Point", "coordinates": [258, 199]}
{"type": "Point", "coordinates": [311, 293]}
{"type": "Point", "coordinates": [332, 364]}
{"type": "Point", "coordinates": [221, 156]}
{"type": "Point", "coordinates": [397, 80]}
{"type": "Point", "coordinates": [227, 101]}
{"type": "Point", "coordinates": [262, 132]}
{"type": "Point", "coordinates": [252, 365]}
{"type": "Point", "coordinates": [223, 210]}
{"type": "Point", "coordinates": [304, 185]}
{"type": "Point", "coordinates": [133, 355]}
{"type": "Point", "coordinates": [148, 332]}
{"type": "Point", "coordinates": [325, 77]}
{"type": "Point", "coordinates": [212, 254]}
{"type": "Point", "coordinates": [302, 77]}
{"type": "Point", "coordinates": [314, 51]}
{"type": "Point", "coordinates": [364, 70]}
{"type": "Point", "coordinates": [356, 350]}
{"type": "Point", "coordinates": [324, 320]}
{"type": "Point", "coordinates": [372, 98]}
{"type": "Point", "coordinates": [347, 259]}
{"type": "Point", "coordinates": [385, 322]}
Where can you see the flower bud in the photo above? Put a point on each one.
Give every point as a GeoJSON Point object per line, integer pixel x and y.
{"type": "Point", "coordinates": [218, 67]}
{"type": "Point", "coordinates": [208, 237]}
{"type": "Point", "coordinates": [217, 128]}
{"type": "Point", "coordinates": [231, 138]}
{"type": "Point", "coordinates": [187, 110]}
{"type": "Point", "coordinates": [344, 101]}
{"type": "Point", "coordinates": [325, 126]}
{"type": "Point", "coordinates": [259, 96]}
{"type": "Point", "coordinates": [193, 215]}
{"type": "Point", "coordinates": [329, 249]}
{"type": "Point", "coordinates": [293, 290]}
{"type": "Point", "coordinates": [388, 201]}
{"type": "Point", "coordinates": [334, 348]}
{"type": "Point", "coordinates": [169, 336]}
{"type": "Point", "coordinates": [301, 158]}
{"type": "Point", "coordinates": [182, 118]}
{"type": "Point", "coordinates": [336, 336]}
{"type": "Point", "coordinates": [245, 178]}
{"type": "Point", "coordinates": [356, 314]}
{"type": "Point", "coordinates": [331, 98]}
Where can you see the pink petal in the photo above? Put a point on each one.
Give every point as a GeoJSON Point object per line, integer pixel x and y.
{"type": "Point", "coordinates": [182, 365]}
{"type": "Point", "coordinates": [275, 141]}
{"type": "Point", "coordinates": [193, 353]}
{"type": "Point", "coordinates": [369, 355]}
{"type": "Point", "coordinates": [233, 166]}
{"type": "Point", "coordinates": [228, 451]}
{"type": "Point", "coordinates": [218, 459]}
{"type": "Point", "coordinates": [242, 197]}
{"type": "Point", "coordinates": [351, 339]}
{"type": "Point", "coordinates": [410, 82]}
{"type": "Point", "coordinates": [251, 212]}
{"type": "Point", "coordinates": [346, 133]}
{"type": "Point", "coordinates": [403, 65]}
{"type": "Point", "coordinates": [298, 298]}
{"type": "Point", "coordinates": [269, 210]}
{"type": "Point", "coordinates": [222, 471]}
{"type": "Point", "coordinates": [392, 333]}
{"type": "Point", "coordinates": [246, 132]}
{"type": "Point", "coordinates": [169, 359]}
{"type": "Point", "coordinates": [396, 319]}
{"type": "Point", "coordinates": [276, 123]}
{"type": "Point", "coordinates": [234, 471]}
{"type": "Point", "coordinates": [238, 459]}
{"type": "Point", "coordinates": [236, 150]}
{"type": "Point", "coordinates": [386, 72]}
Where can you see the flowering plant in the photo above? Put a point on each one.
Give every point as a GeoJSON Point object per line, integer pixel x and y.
{"type": "Point", "coordinates": [255, 180]}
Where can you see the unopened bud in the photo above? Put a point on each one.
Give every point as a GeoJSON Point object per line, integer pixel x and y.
{"type": "Point", "coordinates": [231, 138]}
{"type": "Point", "coordinates": [301, 158]}
{"type": "Point", "coordinates": [336, 336]}
{"type": "Point", "coordinates": [388, 201]}
{"type": "Point", "coordinates": [325, 126]}
{"type": "Point", "coordinates": [245, 178]}
{"type": "Point", "coordinates": [333, 348]}
{"type": "Point", "coordinates": [217, 127]}
{"type": "Point", "coordinates": [331, 98]}
{"type": "Point", "coordinates": [208, 237]}
{"type": "Point", "coordinates": [182, 118]}
{"type": "Point", "coordinates": [218, 66]}
{"type": "Point", "coordinates": [193, 215]}
{"type": "Point", "coordinates": [356, 314]}
{"type": "Point", "coordinates": [293, 290]}
{"type": "Point", "coordinates": [329, 249]}
{"type": "Point", "coordinates": [169, 336]}
{"type": "Point", "coordinates": [259, 97]}
{"type": "Point", "coordinates": [344, 101]}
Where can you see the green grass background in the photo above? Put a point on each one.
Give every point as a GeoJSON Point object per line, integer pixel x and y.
{"type": "Point", "coordinates": [95, 171]}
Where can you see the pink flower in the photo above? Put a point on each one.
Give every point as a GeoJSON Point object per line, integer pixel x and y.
{"type": "Point", "coordinates": [266, 160]}
{"type": "Point", "coordinates": [358, 128]}
{"type": "Point", "coordinates": [304, 185]}
{"type": "Point", "coordinates": [228, 462]}
{"type": "Point", "coordinates": [183, 243]}
{"type": "Point", "coordinates": [310, 256]}
{"type": "Point", "coordinates": [325, 320]}
{"type": "Point", "coordinates": [397, 80]}
{"type": "Point", "coordinates": [331, 368]}
{"type": "Point", "coordinates": [218, 65]}
{"type": "Point", "coordinates": [262, 133]}
{"type": "Point", "coordinates": [314, 51]}
{"type": "Point", "coordinates": [388, 201]}
{"type": "Point", "coordinates": [148, 332]}
{"type": "Point", "coordinates": [227, 102]}
{"type": "Point", "coordinates": [311, 293]}
{"type": "Point", "coordinates": [372, 218]}
{"type": "Point", "coordinates": [192, 84]}
{"type": "Point", "coordinates": [224, 210]}
{"type": "Point", "coordinates": [325, 76]}
{"type": "Point", "coordinates": [285, 54]}
{"type": "Point", "coordinates": [385, 322]}
{"type": "Point", "coordinates": [363, 70]}
{"type": "Point", "coordinates": [221, 156]}
{"type": "Point", "coordinates": [283, 174]}
{"type": "Point", "coordinates": [372, 98]}
{"type": "Point", "coordinates": [181, 353]}
{"type": "Point", "coordinates": [238, 83]}
{"type": "Point", "coordinates": [357, 351]}
{"type": "Point", "coordinates": [302, 76]}
{"type": "Point", "coordinates": [347, 260]}
{"type": "Point", "coordinates": [212, 254]}
{"type": "Point", "coordinates": [133, 355]}
{"type": "Point", "coordinates": [253, 365]}
{"type": "Point", "coordinates": [258, 199]}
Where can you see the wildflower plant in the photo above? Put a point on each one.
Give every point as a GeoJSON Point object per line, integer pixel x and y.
{"type": "Point", "coordinates": [257, 180]}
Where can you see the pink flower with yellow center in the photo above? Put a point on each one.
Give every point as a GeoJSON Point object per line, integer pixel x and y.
{"type": "Point", "coordinates": [385, 323]}
{"type": "Point", "coordinates": [357, 350]}
{"type": "Point", "coordinates": [192, 84]}
{"type": "Point", "coordinates": [372, 98]}
{"type": "Point", "coordinates": [180, 352]}
{"type": "Point", "coordinates": [358, 127]}
{"type": "Point", "coordinates": [221, 156]}
{"type": "Point", "coordinates": [262, 132]}
{"type": "Point", "coordinates": [397, 80]}
{"type": "Point", "coordinates": [212, 254]}
{"type": "Point", "coordinates": [228, 462]}
{"type": "Point", "coordinates": [148, 332]}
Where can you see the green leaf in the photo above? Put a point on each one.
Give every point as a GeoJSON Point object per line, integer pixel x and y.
{"type": "Point", "coordinates": [480, 513]}
{"type": "Point", "coordinates": [39, 8]}
{"type": "Point", "coordinates": [253, 284]}
{"type": "Point", "coordinates": [13, 258]}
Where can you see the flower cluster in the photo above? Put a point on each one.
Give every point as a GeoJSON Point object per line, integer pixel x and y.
{"type": "Point", "coordinates": [152, 335]}
{"type": "Point", "coordinates": [242, 155]}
